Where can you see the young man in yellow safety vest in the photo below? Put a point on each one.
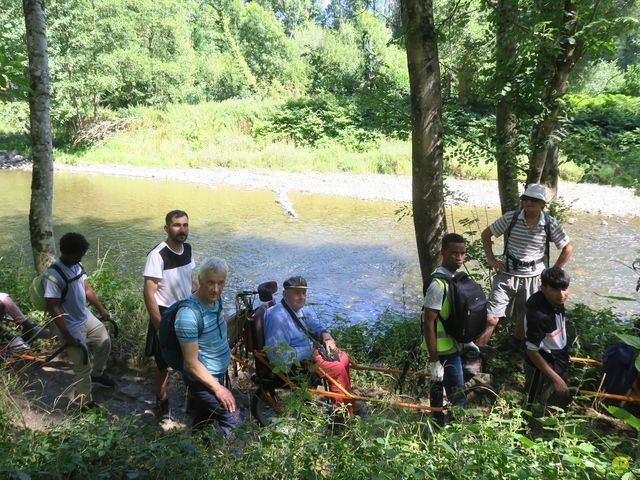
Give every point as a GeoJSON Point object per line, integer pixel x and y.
{"type": "Point", "coordinates": [444, 351]}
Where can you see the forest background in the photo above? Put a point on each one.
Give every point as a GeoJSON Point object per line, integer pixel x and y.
{"type": "Point", "coordinates": [302, 85]}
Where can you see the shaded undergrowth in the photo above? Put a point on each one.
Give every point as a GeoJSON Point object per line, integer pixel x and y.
{"type": "Point", "coordinates": [305, 443]}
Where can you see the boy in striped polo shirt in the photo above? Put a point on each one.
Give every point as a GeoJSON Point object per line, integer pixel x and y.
{"type": "Point", "coordinates": [528, 232]}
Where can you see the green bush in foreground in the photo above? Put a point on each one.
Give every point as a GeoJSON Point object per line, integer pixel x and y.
{"type": "Point", "coordinates": [384, 445]}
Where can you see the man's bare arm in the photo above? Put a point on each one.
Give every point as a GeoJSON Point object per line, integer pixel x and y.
{"type": "Point", "coordinates": [194, 366]}
{"type": "Point", "coordinates": [558, 383]}
{"type": "Point", "coordinates": [487, 245]}
{"type": "Point", "coordinates": [54, 309]}
{"type": "Point", "coordinates": [93, 300]}
{"type": "Point", "coordinates": [565, 254]}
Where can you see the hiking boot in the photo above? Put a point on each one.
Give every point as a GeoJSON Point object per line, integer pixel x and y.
{"type": "Point", "coordinates": [163, 412]}
{"type": "Point", "coordinates": [471, 362]}
{"type": "Point", "coordinates": [31, 331]}
{"type": "Point", "coordinates": [104, 380]}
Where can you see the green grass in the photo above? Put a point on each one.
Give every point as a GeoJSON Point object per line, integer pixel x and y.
{"type": "Point", "coordinates": [223, 134]}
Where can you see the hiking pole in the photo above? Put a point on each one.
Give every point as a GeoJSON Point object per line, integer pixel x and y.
{"type": "Point", "coordinates": [405, 368]}
{"type": "Point", "coordinates": [81, 346]}
{"type": "Point", "coordinates": [115, 326]}
{"type": "Point", "coordinates": [55, 353]}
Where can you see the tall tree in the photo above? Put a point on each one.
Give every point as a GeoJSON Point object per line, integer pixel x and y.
{"type": "Point", "coordinates": [40, 213]}
{"type": "Point", "coordinates": [556, 70]}
{"type": "Point", "coordinates": [506, 156]}
{"type": "Point", "coordinates": [427, 139]}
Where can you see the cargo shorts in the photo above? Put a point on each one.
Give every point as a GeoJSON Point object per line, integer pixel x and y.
{"type": "Point", "coordinates": [509, 293]}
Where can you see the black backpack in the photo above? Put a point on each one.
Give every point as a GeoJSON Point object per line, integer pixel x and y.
{"type": "Point", "coordinates": [169, 344]}
{"type": "Point", "coordinates": [619, 368]}
{"type": "Point", "coordinates": [468, 306]}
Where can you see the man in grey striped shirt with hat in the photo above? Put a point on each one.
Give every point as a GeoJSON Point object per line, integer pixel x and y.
{"type": "Point", "coordinates": [527, 233]}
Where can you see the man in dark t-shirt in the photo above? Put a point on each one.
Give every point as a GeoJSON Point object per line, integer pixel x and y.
{"type": "Point", "coordinates": [547, 355]}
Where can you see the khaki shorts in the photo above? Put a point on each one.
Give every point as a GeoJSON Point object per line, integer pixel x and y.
{"type": "Point", "coordinates": [509, 290]}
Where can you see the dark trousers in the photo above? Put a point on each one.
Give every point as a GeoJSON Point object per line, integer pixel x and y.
{"type": "Point", "coordinates": [452, 382]}
{"type": "Point", "coordinates": [152, 346]}
{"type": "Point", "coordinates": [208, 409]}
{"type": "Point", "coordinates": [539, 389]}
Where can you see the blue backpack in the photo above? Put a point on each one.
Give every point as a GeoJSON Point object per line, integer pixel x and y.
{"type": "Point", "coordinates": [169, 344]}
{"type": "Point", "coordinates": [619, 367]}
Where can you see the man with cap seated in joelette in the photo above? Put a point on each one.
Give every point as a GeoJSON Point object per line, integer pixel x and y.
{"type": "Point", "coordinates": [293, 333]}
{"type": "Point", "coordinates": [527, 234]}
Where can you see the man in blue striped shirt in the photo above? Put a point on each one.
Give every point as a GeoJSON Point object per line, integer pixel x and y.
{"type": "Point", "coordinates": [527, 233]}
{"type": "Point", "coordinates": [202, 332]}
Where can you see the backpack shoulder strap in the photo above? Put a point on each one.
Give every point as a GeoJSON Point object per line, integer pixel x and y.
{"type": "Point", "coordinates": [57, 268]}
{"type": "Point", "coordinates": [299, 324]}
{"type": "Point", "coordinates": [547, 230]}
{"type": "Point", "coordinates": [197, 311]}
{"type": "Point", "coordinates": [507, 235]}
{"type": "Point", "coordinates": [512, 224]}
{"type": "Point", "coordinates": [65, 288]}
{"type": "Point", "coordinates": [446, 291]}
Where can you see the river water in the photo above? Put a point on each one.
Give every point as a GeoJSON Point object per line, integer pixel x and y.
{"type": "Point", "coordinates": [358, 258]}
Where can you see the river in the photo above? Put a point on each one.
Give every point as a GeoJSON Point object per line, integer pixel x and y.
{"type": "Point", "coordinates": [358, 258]}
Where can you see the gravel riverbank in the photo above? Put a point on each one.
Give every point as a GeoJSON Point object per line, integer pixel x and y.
{"type": "Point", "coordinates": [587, 198]}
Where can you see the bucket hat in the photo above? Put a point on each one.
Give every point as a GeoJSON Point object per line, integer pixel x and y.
{"type": "Point", "coordinates": [537, 191]}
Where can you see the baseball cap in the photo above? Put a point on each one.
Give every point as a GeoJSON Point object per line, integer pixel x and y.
{"type": "Point", "coordinates": [295, 282]}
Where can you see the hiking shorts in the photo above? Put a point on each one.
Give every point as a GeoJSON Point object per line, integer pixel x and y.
{"type": "Point", "coordinates": [509, 290]}
{"type": "Point", "coordinates": [152, 346]}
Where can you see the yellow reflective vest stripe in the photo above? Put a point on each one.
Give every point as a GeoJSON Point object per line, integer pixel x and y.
{"type": "Point", "coordinates": [445, 343]}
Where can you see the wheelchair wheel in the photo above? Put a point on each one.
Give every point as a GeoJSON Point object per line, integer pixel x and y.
{"type": "Point", "coordinates": [265, 406]}
{"type": "Point", "coordinates": [481, 395]}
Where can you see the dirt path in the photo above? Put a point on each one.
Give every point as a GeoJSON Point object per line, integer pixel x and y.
{"type": "Point", "coordinates": [48, 390]}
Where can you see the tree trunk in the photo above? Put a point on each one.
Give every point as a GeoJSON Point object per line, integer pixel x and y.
{"type": "Point", "coordinates": [506, 158]}
{"type": "Point", "coordinates": [427, 142]}
{"type": "Point", "coordinates": [544, 137]}
{"type": "Point", "coordinates": [551, 171]}
{"type": "Point", "coordinates": [40, 213]}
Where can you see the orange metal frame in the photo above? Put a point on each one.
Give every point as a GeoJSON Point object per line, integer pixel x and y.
{"type": "Point", "coordinates": [261, 357]}
{"type": "Point", "coordinates": [590, 393]}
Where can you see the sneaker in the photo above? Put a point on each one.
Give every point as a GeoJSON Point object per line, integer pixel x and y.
{"type": "Point", "coordinates": [31, 331]}
{"type": "Point", "coordinates": [163, 412]}
{"type": "Point", "coordinates": [14, 344]}
{"type": "Point", "coordinates": [104, 380]}
{"type": "Point", "coordinates": [471, 362]}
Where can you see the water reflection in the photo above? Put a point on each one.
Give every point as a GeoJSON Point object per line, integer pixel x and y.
{"type": "Point", "coordinates": [357, 258]}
